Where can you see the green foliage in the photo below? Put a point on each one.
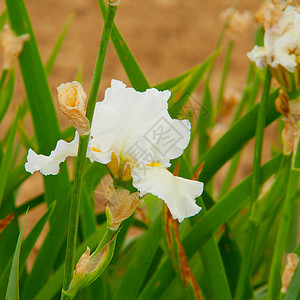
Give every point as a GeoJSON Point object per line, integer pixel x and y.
{"type": "Point", "coordinates": [12, 292]}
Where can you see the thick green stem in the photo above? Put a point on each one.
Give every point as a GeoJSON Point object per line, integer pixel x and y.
{"type": "Point", "coordinates": [282, 236]}
{"type": "Point", "coordinates": [83, 143]}
{"type": "Point", "coordinates": [253, 227]}
{"type": "Point", "coordinates": [109, 21]}
{"type": "Point", "coordinates": [74, 214]}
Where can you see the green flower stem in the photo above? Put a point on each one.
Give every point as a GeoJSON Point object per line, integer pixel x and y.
{"type": "Point", "coordinates": [83, 143]}
{"type": "Point", "coordinates": [253, 226]}
{"type": "Point", "coordinates": [109, 21]}
{"type": "Point", "coordinates": [3, 77]}
{"type": "Point", "coordinates": [282, 236]}
{"type": "Point", "coordinates": [74, 215]}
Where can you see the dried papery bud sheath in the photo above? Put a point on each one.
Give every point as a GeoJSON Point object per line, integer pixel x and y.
{"type": "Point", "coordinates": [290, 109]}
{"type": "Point", "coordinates": [290, 268]}
{"type": "Point", "coordinates": [120, 205]}
{"type": "Point", "coordinates": [282, 103]}
{"type": "Point", "coordinates": [72, 99]}
{"type": "Point", "coordinates": [12, 46]}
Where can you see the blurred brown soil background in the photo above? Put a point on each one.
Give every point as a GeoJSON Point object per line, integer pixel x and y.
{"type": "Point", "coordinates": [167, 37]}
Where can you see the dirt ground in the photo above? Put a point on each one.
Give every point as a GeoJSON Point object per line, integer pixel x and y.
{"type": "Point", "coordinates": [167, 37]}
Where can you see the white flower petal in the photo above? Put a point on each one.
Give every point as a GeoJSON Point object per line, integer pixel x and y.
{"type": "Point", "coordinates": [178, 193]}
{"type": "Point", "coordinates": [49, 165]}
{"type": "Point", "coordinates": [173, 141]}
{"type": "Point", "coordinates": [124, 116]}
{"type": "Point", "coordinates": [259, 56]}
{"type": "Point", "coordinates": [284, 48]}
{"type": "Point", "coordinates": [100, 157]}
{"type": "Point", "coordinates": [137, 126]}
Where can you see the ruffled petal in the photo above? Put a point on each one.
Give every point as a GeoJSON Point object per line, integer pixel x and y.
{"type": "Point", "coordinates": [49, 165]}
{"type": "Point", "coordinates": [284, 52]}
{"type": "Point", "coordinates": [174, 138]}
{"type": "Point", "coordinates": [137, 126]}
{"type": "Point", "coordinates": [178, 193]}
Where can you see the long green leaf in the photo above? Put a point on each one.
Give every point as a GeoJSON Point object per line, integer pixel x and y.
{"type": "Point", "coordinates": [237, 136]}
{"type": "Point", "coordinates": [6, 94]}
{"type": "Point", "coordinates": [51, 60]}
{"type": "Point", "coordinates": [131, 67]}
{"type": "Point", "coordinates": [138, 267]}
{"type": "Point", "coordinates": [7, 157]}
{"type": "Point", "coordinates": [27, 246]}
{"type": "Point", "coordinates": [215, 275]}
{"type": "Point", "coordinates": [34, 77]}
{"type": "Point", "coordinates": [12, 292]}
{"type": "Point", "coordinates": [47, 132]}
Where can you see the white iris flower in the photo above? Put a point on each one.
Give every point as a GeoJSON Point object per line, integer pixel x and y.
{"type": "Point", "coordinates": [281, 43]}
{"type": "Point", "coordinates": [136, 128]}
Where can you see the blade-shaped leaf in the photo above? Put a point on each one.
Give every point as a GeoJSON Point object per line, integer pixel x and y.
{"type": "Point", "coordinates": [7, 157]}
{"type": "Point", "coordinates": [235, 138]}
{"type": "Point", "coordinates": [51, 60]}
{"type": "Point", "coordinates": [134, 276]}
{"type": "Point", "coordinates": [6, 94]}
{"type": "Point", "coordinates": [27, 246]}
{"type": "Point", "coordinates": [131, 67]}
{"type": "Point", "coordinates": [12, 292]}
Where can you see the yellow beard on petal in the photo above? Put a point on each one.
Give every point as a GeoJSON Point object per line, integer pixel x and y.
{"type": "Point", "coordinates": [155, 164]}
{"type": "Point", "coordinates": [95, 149]}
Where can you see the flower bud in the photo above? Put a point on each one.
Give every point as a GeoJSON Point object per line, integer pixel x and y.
{"type": "Point", "coordinates": [114, 2]}
{"type": "Point", "coordinates": [290, 268]}
{"type": "Point", "coordinates": [120, 205]}
{"type": "Point", "coordinates": [72, 98]}
{"type": "Point", "coordinates": [12, 46]}
{"type": "Point", "coordinates": [90, 267]}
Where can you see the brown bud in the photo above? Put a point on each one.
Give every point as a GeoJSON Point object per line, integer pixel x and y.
{"type": "Point", "coordinates": [12, 46]}
{"type": "Point", "coordinates": [72, 98]}
{"type": "Point", "coordinates": [290, 268]}
{"type": "Point", "coordinates": [282, 103]}
{"type": "Point", "coordinates": [120, 205]}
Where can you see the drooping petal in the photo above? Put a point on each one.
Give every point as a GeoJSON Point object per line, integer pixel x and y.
{"type": "Point", "coordinates": [137, 126]}
{"type": "Point", "coordinates": [49, 165]}
{"type": "Point", "coordinates": [178, 193]}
